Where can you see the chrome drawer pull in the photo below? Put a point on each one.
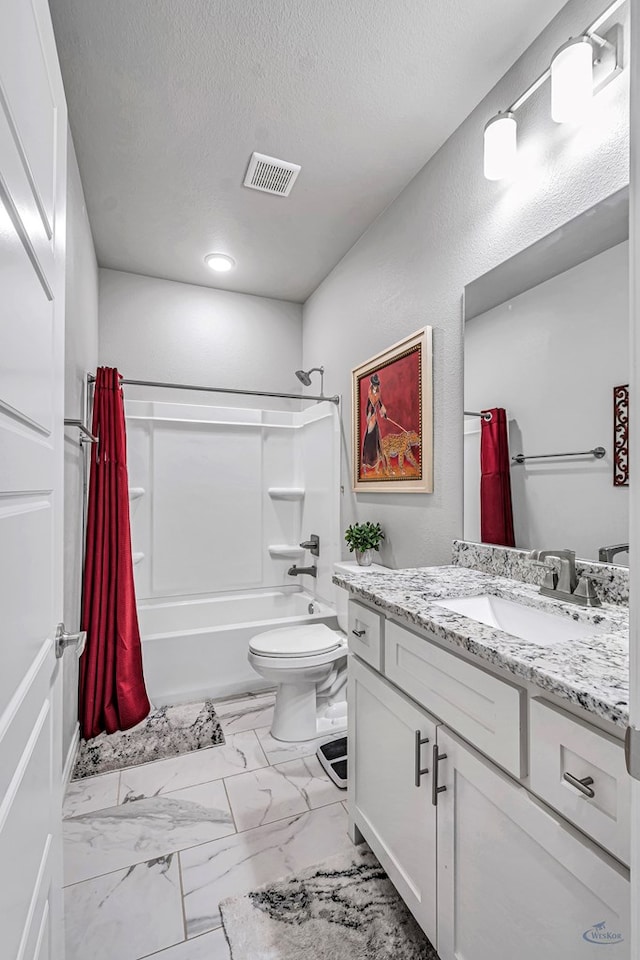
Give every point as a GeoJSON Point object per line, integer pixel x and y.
{"type": "Point", "coordinates": [419, 771]}
{"type": "Point", "coordinates": [584, 785]}
{"type": "Point", "coordinates": [435, 789]}
{"type": "Point", "coordinates": [358, 633]}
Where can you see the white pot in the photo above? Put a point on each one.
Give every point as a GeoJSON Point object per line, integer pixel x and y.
{"type": "Point", "coordinates": [364, 557]}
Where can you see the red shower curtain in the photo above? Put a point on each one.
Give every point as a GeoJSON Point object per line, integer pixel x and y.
{"type": "Point", "coordinates": [112, 691]}
{"type": "Point", "coordinates": [496, 514]}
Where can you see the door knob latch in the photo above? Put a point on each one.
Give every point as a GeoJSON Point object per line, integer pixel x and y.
{"type": "Point", "coordinates": [64, 640]}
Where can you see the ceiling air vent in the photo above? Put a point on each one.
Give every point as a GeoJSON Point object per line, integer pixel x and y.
{"type": "Point", "coordinates": [271, 175]}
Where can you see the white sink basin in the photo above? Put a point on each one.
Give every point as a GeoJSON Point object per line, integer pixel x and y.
{"type": "Point", "coordinates": [527, 623]}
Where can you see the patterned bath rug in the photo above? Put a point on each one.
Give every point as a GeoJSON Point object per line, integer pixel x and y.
{"type": "Point", "coordinates": [343, 909]}
{"type": "Point", "coordinates": [166, 732]}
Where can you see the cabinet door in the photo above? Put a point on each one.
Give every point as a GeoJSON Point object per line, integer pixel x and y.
{"type": "Point", "coordinates": [513, 879]}
{"type": "Point", "coordinates": [389, 800]}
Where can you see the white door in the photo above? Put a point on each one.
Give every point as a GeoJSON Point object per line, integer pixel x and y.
{"type": "Point", "coordinates": [389, 798]}
{"type": "Point", "coordinates": [514, 880]}
{"type": "Point", "coordinates": [33, 135]}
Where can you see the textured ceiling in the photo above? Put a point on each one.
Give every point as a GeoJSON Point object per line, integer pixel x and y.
{"type": "Point", "coordinates": [168, 99]}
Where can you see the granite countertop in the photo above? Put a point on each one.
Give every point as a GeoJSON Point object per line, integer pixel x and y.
{"type": "Point", "coordinates": [592, 673]}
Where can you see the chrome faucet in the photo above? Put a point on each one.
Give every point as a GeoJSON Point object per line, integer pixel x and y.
{"type": "Point", "coordinates": [566, 585]}
{"type": "Point", "coordinates": [606, 554]}
{"type": "Point", "coordinates": [296, 571]}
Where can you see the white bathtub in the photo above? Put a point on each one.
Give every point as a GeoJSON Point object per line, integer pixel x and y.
{"type": "Point", "coordinates": [198, 648]}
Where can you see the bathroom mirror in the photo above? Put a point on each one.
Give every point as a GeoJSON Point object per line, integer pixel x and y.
{"type": "Point", "coordinates": [546, 338]}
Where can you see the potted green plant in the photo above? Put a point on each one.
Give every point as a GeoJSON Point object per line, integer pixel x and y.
{"type": "Point", "coordinates": [363, 538]}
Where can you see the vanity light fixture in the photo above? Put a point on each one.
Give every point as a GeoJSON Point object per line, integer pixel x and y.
{"type": "Point", "coordinates": [572, 80]}
{"type": "Point", "coordinates": [579, 69]}
{"type": "Point", "coordinates": [500, 146]}
{"type": "Point", "coordinates": [220, 262]}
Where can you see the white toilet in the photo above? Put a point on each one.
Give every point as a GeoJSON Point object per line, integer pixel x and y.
{"type": "Point", "coordinates": [302, 662]}
{"type": "Point", "coordinates": [308, 665]}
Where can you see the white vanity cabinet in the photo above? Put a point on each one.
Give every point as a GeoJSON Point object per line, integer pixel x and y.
{"type": "Point", "coordinates": [484, 863]}
{"type": "Point", "coordinates": [513, 880]}
{"type": "Point", "coordinates": [390, 742]}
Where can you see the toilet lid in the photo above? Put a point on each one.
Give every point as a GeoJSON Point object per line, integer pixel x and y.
{"type": "Point", "coordinates": [305, 641]}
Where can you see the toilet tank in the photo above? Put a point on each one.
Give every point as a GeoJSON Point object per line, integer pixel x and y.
{"type": "Point", "coordinates": [341, 595]}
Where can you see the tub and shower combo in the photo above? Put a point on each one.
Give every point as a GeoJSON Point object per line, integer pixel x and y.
{"type": "Point", "coordinates": [194, 649]}
{"type": "Point", "coordinates": [223, 500]}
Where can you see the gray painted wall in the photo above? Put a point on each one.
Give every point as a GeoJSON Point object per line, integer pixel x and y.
{"type": "Point", "coordinates": [81, 353]}
{"type": "Point", "coordinates": [161, 330]}
{"type": "Point", "coordinates": [446, 228]}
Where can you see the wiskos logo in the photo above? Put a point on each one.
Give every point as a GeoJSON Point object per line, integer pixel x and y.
{"type": "Point", "coordinates": [598, 933]}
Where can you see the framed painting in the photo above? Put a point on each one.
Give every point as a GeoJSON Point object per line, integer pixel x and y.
{"type": "Point", "coordinates": [392, 418]}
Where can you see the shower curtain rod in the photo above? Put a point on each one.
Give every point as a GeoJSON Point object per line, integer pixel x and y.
{"type": "Point", "coordinates": [245, 393]}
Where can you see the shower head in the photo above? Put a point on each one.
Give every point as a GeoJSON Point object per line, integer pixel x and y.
{"type": "Point", "coordinates": [304, 376]}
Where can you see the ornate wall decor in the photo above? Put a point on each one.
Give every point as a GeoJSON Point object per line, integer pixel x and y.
{"type": "Point", "coordinates": [621, 435]}
{"type": "Point", "coordinates": [393, 419]}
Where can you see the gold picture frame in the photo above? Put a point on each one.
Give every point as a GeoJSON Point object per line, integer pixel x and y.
{"type": "Point", "coordinates": [394, 454]}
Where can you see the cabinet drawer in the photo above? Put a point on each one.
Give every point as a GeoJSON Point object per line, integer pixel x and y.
{"type": "Point", "coordinates": [486, 711]}
{"type": "Point", "coordinates": [563, 745]}
{"type": "Point", "coordinates": [366, 628]}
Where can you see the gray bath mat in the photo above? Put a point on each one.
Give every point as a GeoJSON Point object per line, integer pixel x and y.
{"type": "Point", "coordinates": [166, 732]}
{"type": "Point", "coordinates": [343, 909]}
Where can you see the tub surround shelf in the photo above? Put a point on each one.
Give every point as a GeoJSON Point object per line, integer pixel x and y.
{"type": "Point", "coordinates": [592, 673]}
{"type": "Point", "coordinates": [138, 557]}
{"type": "Point", "coordinates": [136, 492]}
{"type": "Point", "coordinates": [286, 493]}
{"type": "Point", "coordinates": [285, 551]}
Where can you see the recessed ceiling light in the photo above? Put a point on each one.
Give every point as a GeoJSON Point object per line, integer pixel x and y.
{"type": "Point", "coordinates": [220, 262]}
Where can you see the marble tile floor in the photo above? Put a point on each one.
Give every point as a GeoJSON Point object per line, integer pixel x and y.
{"type": "Point", "coordinates": [150, 851]}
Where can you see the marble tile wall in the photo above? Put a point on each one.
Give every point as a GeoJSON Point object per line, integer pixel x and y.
{"type": "Point", "coordinates": [169, 839]}
{"type": "Point", "coordinates": [513, 564]}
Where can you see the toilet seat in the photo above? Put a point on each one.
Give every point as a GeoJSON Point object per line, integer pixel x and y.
{"type": "Point", "coordinates": [309, 640]}
{"type": "Point", "coordinates": [286, 665]}
{"type": "Point", "coordinates": [298, 660]}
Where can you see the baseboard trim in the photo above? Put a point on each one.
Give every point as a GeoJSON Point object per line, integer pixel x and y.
{"type": "Point", "coordinates": [70, 760]}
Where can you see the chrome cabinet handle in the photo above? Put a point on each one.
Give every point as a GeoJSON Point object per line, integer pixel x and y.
{"type": "Point", "coordinates": [435, 789]}
{"type": "Point", "coordinates": [419, 771]}
{"type": "Point", "coordinates": [64, 640]}
{"type": "Point", "coordinates": [358, 633]}
{"type": "Point", "coordinates": [583, 785]}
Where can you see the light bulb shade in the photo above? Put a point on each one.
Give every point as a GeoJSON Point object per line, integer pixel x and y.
{"type": "Point", "coordinates": [500, 146]}
{"type": "Point", "coordinates": [572, 81]}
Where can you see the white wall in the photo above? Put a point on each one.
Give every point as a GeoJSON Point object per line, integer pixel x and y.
{"type": "Point", "coordinates": [446, 228]}
{"type": "Point", "coordinates": [160, 330]}
{"type": "Point", "coordinates": [81, 354]}
{"type": "Point", "coordinates": [551, 357]}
